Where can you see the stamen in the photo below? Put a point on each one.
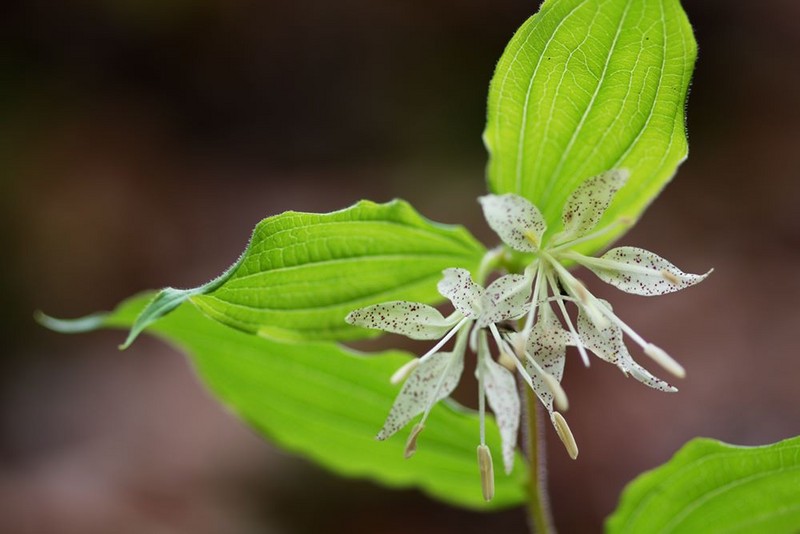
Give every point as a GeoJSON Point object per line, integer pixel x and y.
{"type": "Point", "coordinates": [563, 431]}
{"type": "Point", "coordinates": [402, 373]}
{"type": "Point", "coordinates": [481, 391]}
{"type": "Point", "coordinates": [656, 353]}
{"type": "Point", "coordinates": [570, 327]}
{"type": "Point", "coordinates": [506, 360]}
{"type": "Point", "coordinates": [535, 301]}
{"type": "Point", "coordinates": [487, 472]}
{"type": "Point", "coordinates": [458, 352]}
{"type": "Point", "coordinates": [587, 300]}
{"type": "Point", "coordinates": [664, 360]}
{"type": "Point", "coordinates": [559, 395]}
{"type": "Point", "coordinates": [411, 444]}
{"type": "Point", "coordinates": [445, 339]}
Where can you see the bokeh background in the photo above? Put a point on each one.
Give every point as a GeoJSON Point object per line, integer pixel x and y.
{"type": "Point", "coordinates": [140, 142]}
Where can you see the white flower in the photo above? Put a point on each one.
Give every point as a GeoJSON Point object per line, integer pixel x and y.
{"type": "Point", "coordinates": [542, 343]}
{"type": "Point", "coordinates": [435, 375]}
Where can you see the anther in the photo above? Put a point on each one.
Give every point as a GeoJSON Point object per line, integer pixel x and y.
{"type": "Point", "coordinates": [487, 472]}
{"type": "Point", "coordinates": [411, 444]}
{"type": "Point", "coordinates": [507, 361]}
{"type": "Point", "coordinates": [563, 431]}
{"type": "Point", "coordinates": [559, 395]}
{"type": "Point", "coordinates": [402, 373]}
{"type": "Point", "coordinates": [664, 360]}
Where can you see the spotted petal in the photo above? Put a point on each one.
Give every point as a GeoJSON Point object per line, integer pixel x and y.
{"type": "Point", "coordinates": [638, 271]}
{"type": "Point", "coordinates": [433, 380]}
{"type": "Point", "coordinates": [501, 391]}
{"type": "Point", "coordinates": [505, 298]}
{"type": "Point", "coordinates": [457, 285]}
{"type": "Point", "coordinates": [519, 223]}
{"type": "Point", "coordinates": [547, 344]}
{"type": "Point", "coordinates": [587, 204]}
{"type": "Point", "coordinates": [411, 319]}
{"type": "Point", "coordinates": [608, 345]}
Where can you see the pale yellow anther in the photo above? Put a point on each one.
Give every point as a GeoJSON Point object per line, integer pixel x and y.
{"type": "Point", "coordinates": [507, 361]}
{"type": "Point", "coordinates": [402, 373]}
{"type": "Point", "coordinates": [487, 472]}
{"type": "Point", "coordinates": [563, 431]}
{"type": "Point", "coordinates": [580, 290]}
{"type": "Point", "coordinates": [664, 360]}
{"type": "Point", "coordinates": [559, 395]}
{"type": "Point", "coordinates": [411, 444]}
{"type": "Point", "coordinates": [669, 277]}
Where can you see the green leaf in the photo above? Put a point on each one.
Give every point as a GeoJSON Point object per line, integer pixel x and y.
{"type": "Point", "coordinates": [586, 86]}
{"type": "Point", "coordinates": [302, 273]}
{"type": "Point", "coordinates": [327, 403]}
{"type": "Point", "coordinates": [710, 486]}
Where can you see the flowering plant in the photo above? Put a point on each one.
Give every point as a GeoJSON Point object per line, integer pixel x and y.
{"type": "Point", "coordinates": [585, 126]}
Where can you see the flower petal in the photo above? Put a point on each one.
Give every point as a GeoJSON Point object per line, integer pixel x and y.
{"type": "Point", "coordinates": [638, 271]}
{"type": "Point", "coordinates": [547, 345]}
{"type": "Point", "coordinates": [505, 298]}
{"type": "Point", "coordinates": [458, 287]}
{"type": "Point", "coordinates": [411, 319]}
{"type": "Point", "coordinates": [609, 345]}
{"type": "Point", "coordinates": [501, 392]}
{"type": "Point", "coordinates": [519, 223]}
{"type": "Point", "coordinates": [433, 380]}
{"type": "Point", "coordinates": [587, 204]}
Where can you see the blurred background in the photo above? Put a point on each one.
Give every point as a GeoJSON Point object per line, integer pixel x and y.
{"type": "Point", "coordinates": [141, 141]}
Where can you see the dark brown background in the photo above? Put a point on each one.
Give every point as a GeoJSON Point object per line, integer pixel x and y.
{"type": "Point", "coordinates": [140, 142]}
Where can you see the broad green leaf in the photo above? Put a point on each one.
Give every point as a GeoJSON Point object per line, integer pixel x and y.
{"type": "Point", "coordinates": [709, 486]}
{"type": "Point", "coordinates": [327, 403]}
{"type": "Point", "coordinates": [302, 273]}
{"type": "Point", "coordinates": [586, 86]}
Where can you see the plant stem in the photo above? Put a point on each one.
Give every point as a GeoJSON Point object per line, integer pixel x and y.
{"type": "Point", "coordinates": [539, 516]}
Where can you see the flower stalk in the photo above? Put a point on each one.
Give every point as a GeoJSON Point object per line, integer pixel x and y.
{"type": "Point", "coordinates": [540, 518]}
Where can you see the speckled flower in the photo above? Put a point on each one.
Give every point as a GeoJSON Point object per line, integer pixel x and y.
{"type": "Point", "coordinates": [434, 375]}
{"type": "Point", "coordinates": [543, 341]}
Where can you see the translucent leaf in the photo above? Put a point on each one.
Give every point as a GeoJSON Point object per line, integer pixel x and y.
{"type": "Point", "coordinates": [326, 403]}
{"type": "Point", "coordinates": [709, 486]}
{"type": "Point", "coordinates": [584, 87]}
{"type": "Point", "coordinates": [302, 273]}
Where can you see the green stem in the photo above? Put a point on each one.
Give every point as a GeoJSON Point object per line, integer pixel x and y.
{"type": "Point", "coordinates": [539, 516]}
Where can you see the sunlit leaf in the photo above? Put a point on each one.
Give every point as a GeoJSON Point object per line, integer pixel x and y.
{"type": "Point", "coordinates": [302, 273]}
{"type": "Point", "coordinates": [327, 403]}
{"type": "Point", "coordinates": [586, 86]}
{"type": "Point", "coordinates": [709, 487]}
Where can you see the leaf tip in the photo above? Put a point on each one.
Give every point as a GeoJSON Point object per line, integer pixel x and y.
{"type": "Point", "coordinates": [70, 326]}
